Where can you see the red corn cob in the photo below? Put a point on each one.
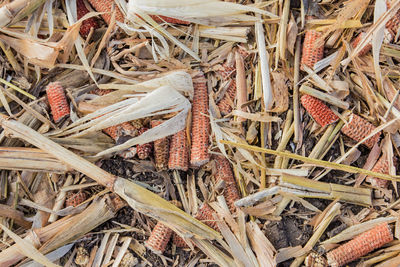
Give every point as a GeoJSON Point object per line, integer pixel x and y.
{"type": "Point", "coordinates": [312, 51]}
{"type": "Point", "coordinates": [74, 200]}
{"type": "Point", "coordinates": [394, 23]}
{"type": "Point", "coordinates": [101, 92]}
{"type": "Point", "coordinates": [224, 172]}
{"type": "Point", "coordinates": [360, 246]}
{"type": "Point", "coordinates": [57, 101]}
{"type": "Point", "coordinates": [144, 150]}
{"type": "Point", "coordinates": [178, 241]}
{"type": "Point", "coordinates": [381, 166]}
{"type": "Point", "coordinates": [357, 129]}
{"type": "Point", "coordinates": [204, 214]}
{"type": "Point", "coordinates": [357, 40]}
{"type": "Point", "coordinates": [159, 238]}
{"type": "Point", "coordinates": [162, 19]}
{"type": "Point", "coordinates": [321, 113]}
{"type": "Point", "coordinates": [225, 104]}
{"type": "Point", "coordinates": [179, 152]}
{"type": "Point", "coordinates": [119, 130]}
{"type": "Point", "coordinates": [200, 124]}
{"type": "Point", "coordinates": [106, 6]}
{"type": "Point", "coordinates": [226, 72]}
{"type": "Point", "coordinates": [87, 24]}
{"type": "Point", "coordinates": [161, 149]}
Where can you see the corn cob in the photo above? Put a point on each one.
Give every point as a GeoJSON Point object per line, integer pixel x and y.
{"type": "Point", "coordinates": [179, 152]}
{"type": "Point", "coordinates": [312, 51]}
{"type": "Point", "coordinates": [178, 241]}
{"type": "Point", "coordinates": [57, 101]}
{"type": "Point", "coordinates": [144, 150]}
{"type": "Point", "coordinates": [87, 24]}
{"type": "Point", "coordinates": [123, 129]}
{"type": "Point", "coordinates": [161, 149]}
{"type": "Point", "coordinates": [357, 40]}
{"type": "Point", "coordinates": [357, 129]}
{"type": "Point", "coordinates": [321, 113]}
{"type": "Point", "coordinates": [74, 199]}
{"type": "Point", "coordinates": [204, 214]}
{"type": "Point", "coordinates": [226, 72]}
{"type": "Point", "coordinates": [101, 92]}
{"type": "Point", "coordinates": [162, 19]}
{"type": "Point", "coordinates": [394, 23]}
{"type": "Point", "coordinates": [360, 245]}
{"type": "Point", "coordinates": [200, 124]}
{"type": "Point", "coordinates": [381, 166]}
{"type": "Point", "coordinates": [315, 260]}
{"type": "Point", "coordinates": [159, 238]}
{"type": "Point", "coordinates": [106, 6]}
{"type": "Point", "coordinates": [224, 172]}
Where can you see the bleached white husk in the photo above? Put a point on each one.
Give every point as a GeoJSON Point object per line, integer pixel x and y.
{"type": "Point", "coordinates": [161, 101]}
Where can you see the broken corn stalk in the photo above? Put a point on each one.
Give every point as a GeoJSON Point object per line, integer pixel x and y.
{"type": "Point", "coordinates": [224, 172]}
{"type": "Point", "coordinates": [144, 150]}
{"type": "Point", "coordinates": [87, 24]}
{"type": "Point", "coordinates": [381, 166]}
{"type": "Point", "coordinates": [75, 199]}
{"type": "Point", "coordinates": [57, 101]}
{"type": "Point", "coordinates": [360, 246]}
{"type": "Point", "coordinates": [106, 6]}
{"type": "Point", "coordinates": [357, 129]}
{"type": "Point", "coordinates": [159, 238]}
{"type": "Point", "coordinates": [179, 152]}
{"type": "Point", "coordinates": [161, 149]}
{"type": "Point", "coordinates": [200, 124]}
{"type": "Point", "coordinates": [321, 113]}
{"type": "Point", "coordinates": [312, 50]}
{"type": "Point", "coordinates": [357, 40]}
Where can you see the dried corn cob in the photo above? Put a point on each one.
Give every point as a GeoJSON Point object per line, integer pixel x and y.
{"type": "Point", "coordinates": [159, 238]}
{"type": "Point", "coordinates": [357, 40]}
{"type": "Point", "coordinates": [204, 214]}
{"type": "Point", "coordinates": [312, 50]}
{"type": "Point", "coordinates": [360, 246]}
{"type": "Point", "coordinates": [178, 241]}
{"type": "Point", "coordinates": [315, 260]}
{"type": "Point", "coordinates": [381, 166]}
{"type": "Point", "coordinates": [123, 129]}
{"type": "Point", "coordinates": [106, 6]}
{"type": "Point", "coordinates": [226, 72]}
{"type": "Point", "coordinates": [357, 129]}
{"type": "Point", "coordinates": [144, 150]}
{"type": "Point", "coordinates": [87, 24]}
{"type": "Point", "coordinates": [224, 172]}
{"type": "Point", "coordinates": [74, 199]}
{"type": "Point", "coordinates": [321, 113]}
{"type": "Point", "coordinates": [101, 92]}
{"type": "Point", "coordinates": [394, 23]}
{"type": "Point", "coordinates": [200, 124]}
{"type": "Point", "coordinates": [57, 101]}
{"type": "Point", "coordinates": [179, 152]}
{"type": "Point", "coordinates": [225, 104]}
{"type": "Point", "coordinates": [161, 149]}
{"type": "Point", "coordinates": [162, 19]}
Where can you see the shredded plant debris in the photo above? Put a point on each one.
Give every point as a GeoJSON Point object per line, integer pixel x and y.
{"type": "Point", "coordinates": [199, 133]}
